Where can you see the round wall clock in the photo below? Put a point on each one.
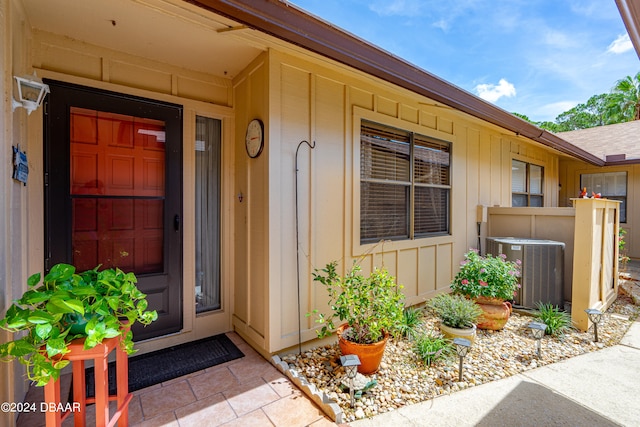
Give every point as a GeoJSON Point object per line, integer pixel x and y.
{"type": "Point", "coordinates": [254, 140]}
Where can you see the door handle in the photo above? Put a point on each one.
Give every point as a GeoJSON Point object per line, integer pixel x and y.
{"type": "Point", "coordinates": [176, 222]}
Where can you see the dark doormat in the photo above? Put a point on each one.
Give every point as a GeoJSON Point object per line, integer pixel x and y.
{"type": "Point", "coordinates": [169, 363]}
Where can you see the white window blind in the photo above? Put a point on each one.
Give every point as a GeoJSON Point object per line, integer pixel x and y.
{"type": "Point", "coordinates": [404, 184]}
{"type": "Point", "coordinates": [610, 185]}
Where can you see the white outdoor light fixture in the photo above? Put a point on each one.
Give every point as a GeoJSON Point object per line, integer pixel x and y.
{"type": "Point", "coordinates": [595, 316]}
{"type": "Point", "coordinates": [31, 92]}
{"type": "Point", "coordinates": [538, 330]}
{"type": "Point", "coordinates": [350, 362]}
{"type": "Point", "coordinates": [462, 348]}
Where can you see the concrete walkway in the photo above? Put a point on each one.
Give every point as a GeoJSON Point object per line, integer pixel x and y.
{"type": "Point", "coordinates": [600, 388]}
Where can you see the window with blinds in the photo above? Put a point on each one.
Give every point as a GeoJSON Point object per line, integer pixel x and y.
{"type": "Point", "coordinates": [610, 185]}
{"type": "Point", "coordinates": [405, 184]}
{"type": "Point", "coordinates": [526, 184]}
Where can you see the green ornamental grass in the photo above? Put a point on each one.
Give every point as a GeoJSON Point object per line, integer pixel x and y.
{"type": "Point", "coordinates": [430, 347]}
{"type": "Point", "coordinates": [411, 318]}
{"type": "Point", "coordinates": [558, 322]}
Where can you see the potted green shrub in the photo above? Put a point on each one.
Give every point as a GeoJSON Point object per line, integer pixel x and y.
{"type": "Point", "coordinates": [458, 315]}
{"type": "Point", "coordinates": [492, 282]}
{"type": "Point", "coordinates": [368, 310]}
{"type": "Point", "coordinates": [94, 305]}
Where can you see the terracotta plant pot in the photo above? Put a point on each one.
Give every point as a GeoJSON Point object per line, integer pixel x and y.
{"type": "Point", "coordinates": [370, 355]}
{"type": "Point", "coordinates": [451, 333]}
{"type": "Point", "coordinates": [495, 313]}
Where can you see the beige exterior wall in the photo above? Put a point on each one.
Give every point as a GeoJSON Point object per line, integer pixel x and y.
{"type": "Point", "coordinates": [251, 215]}
{"type": "Point", "coordinates": [318, 101]}
{"type": "Point", "coordinates": [14, 128]}
{"type": "Point", "coordinates": [571, 171]}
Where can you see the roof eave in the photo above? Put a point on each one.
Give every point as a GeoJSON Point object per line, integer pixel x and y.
{"type": "Point", "coordinates": [291, 24]}
{"type": "Point", "coordinates": [623, 162]}
{"type": "Point", "coordinates": [630, 16]}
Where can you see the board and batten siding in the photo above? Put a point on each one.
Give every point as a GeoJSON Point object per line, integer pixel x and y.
{"type": "Point", "coordinates": [321, 102]}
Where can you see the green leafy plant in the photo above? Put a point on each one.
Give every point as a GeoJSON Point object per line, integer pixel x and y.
{"type": "Point", "coordinates": [94, 305]}
{"type": "Point", "coordinates": [370, 305]}
{"type": "Point", "coordinates": [623, 259]}
{"type": "Point", "coordinates": [411, 318]}
{"type": "Point", "coordinates": [455, 311]}
{"type": "Point", "coordinates": [429, 348]}
{"type": "Point", "coordinates": [489, 276]}
{"type": "Point", "coordinates": [558, 322]}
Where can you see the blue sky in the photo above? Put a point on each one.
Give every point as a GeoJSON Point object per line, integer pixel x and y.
{"type": "Point", "coordinates": [534, 57]}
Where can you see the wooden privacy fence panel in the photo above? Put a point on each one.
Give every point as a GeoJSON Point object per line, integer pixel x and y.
{"type": "Point", "coordinates": [595, 260]}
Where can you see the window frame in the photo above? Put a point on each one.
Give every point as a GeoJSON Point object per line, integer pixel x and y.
{"type": "Point", "coordinates": [622, 199]}
{"type": "Point", "coordinates": [527, 191]}
{"type": "Point", "coordinates": [411, 185]}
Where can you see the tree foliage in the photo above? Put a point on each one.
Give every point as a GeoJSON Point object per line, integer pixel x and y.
{"type": "Point", "coordinates": [624, 102]}
{"type": "Point", "coordinates": [621, 105]}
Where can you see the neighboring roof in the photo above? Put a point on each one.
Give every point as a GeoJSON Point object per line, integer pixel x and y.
{"type": "Point", "coordinates": [615, 144]}
{"type": "Point", "coordinates": [291, 24]}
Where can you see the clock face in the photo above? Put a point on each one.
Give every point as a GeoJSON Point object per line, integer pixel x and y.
{"type": "Point", "coordinates": [254, 139]}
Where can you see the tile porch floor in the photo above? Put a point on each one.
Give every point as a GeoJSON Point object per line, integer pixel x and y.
{"type": "Point", "coordinates": [248, 391]}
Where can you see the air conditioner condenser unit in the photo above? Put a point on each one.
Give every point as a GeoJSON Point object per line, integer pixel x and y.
{"type": "Point", "coordinates": [542, 268]}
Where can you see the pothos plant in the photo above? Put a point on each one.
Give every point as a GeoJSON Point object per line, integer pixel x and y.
{"type": "Point", "coordinates": [371, 306]}
{"type": "Point", "coordinates": [94, 305]}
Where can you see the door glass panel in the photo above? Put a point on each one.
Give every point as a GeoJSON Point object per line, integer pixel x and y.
{"type": "Point", "coordinates": [208, 137]}
{"type": "Point", "coordinates": [117, 191]}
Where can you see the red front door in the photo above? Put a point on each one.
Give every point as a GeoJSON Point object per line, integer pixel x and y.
{"type": "Point", "coordinates": [114, 192]}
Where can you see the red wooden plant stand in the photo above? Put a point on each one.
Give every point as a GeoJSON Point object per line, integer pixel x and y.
{"type": "Point", "coordinates": [54, 416]}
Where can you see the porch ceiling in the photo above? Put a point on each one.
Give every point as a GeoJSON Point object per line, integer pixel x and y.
{"type": "Point", "coordinates": [171, 32]}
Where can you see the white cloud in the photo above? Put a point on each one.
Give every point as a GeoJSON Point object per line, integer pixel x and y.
{"type": "Point", "coordinates": [442, 24]}
{"type": "Point", "coordinates": [492, 93]}
{"type": "Point", "coordinates": [397, 7]}
{"type": "Point", "coordinates": [621, 44]}
{"type": "Point", "coordinates": [558, 39]}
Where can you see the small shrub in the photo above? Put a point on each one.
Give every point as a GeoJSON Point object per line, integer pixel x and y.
{"type": "Point", "coordinates": [623, 259]}
{"type": "Point", "coordinates": [558, 322]}
{"type": "Point", "coordinates": [455, 311]}
{"type": "Point", "coordinates": [489, 276]}
{"type": "Point", "coordinates": [411, 318]}
{"type": "Point", "coordinates": [371, 306]}
{"type": "Point", "coordinates": [429, 348]}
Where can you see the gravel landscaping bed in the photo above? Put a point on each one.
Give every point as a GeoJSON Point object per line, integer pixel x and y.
{"type": "Point", "coordinates": [404, 380]}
